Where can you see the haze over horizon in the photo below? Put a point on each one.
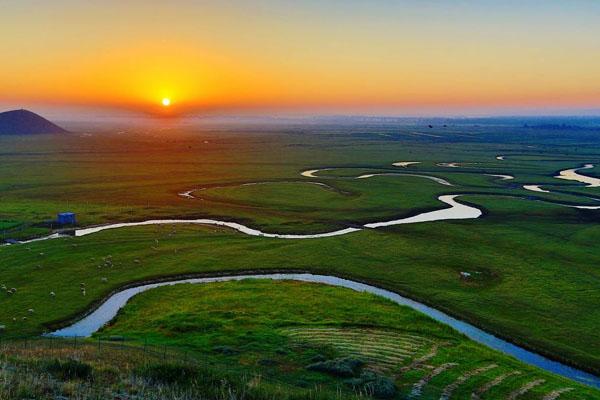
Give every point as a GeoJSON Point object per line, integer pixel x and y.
{"type": "Point", "coordinates": [407, 58]}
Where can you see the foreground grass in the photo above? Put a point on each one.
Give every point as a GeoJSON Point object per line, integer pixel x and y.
{"type": "Point", "coordinates": [263, 340]}
{"type": "Point", "coordinates": [58, 369]}
{"type": "Point", "coordinates": [279, 330]}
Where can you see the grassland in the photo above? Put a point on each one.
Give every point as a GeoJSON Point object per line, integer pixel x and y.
{"type": "Point", "coordinates": [277, 329]}
{"type": "Point", "coordinates": [537, 261]}
{"type": "Point", "coordinates": [261, 340]}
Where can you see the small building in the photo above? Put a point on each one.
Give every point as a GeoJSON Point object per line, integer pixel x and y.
{"type": "Point", "coordinates": [66, 218]}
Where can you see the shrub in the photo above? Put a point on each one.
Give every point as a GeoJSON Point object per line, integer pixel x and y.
{"type": "Point", "coordinates": [376, 385]}
{"type": "Point", "coordinates": [267, 362]}
{"type": "Point", "coordinates": [69, 369]}
{"type": "Point", "coordinates": [343, 367]}
{"type": "Point", "coordinates": [167, 373]}
{"type": "Point", "coordinates": [225, 350]}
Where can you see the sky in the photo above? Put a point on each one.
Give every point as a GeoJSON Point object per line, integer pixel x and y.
{"type": "Point", "coordinates": [378, 57]}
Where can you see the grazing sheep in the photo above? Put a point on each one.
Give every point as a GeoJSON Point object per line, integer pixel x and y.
{"type": "Point", "coordinates": [31, 311]}
{"type": "Point", "coordinates": [52, 294]}
{"type": "Point", "coordinates": [104, 280]}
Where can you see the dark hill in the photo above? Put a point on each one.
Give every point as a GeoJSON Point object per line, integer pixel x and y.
{"type": "Point", "coordinates": [23, 122]}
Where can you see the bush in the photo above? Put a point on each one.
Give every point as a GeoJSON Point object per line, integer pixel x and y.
{"type": "Point", "coordinates": [376, 385]}
{"type": "Point", "coordinates": [69, 369]}
{"type": "Point", "coordinates": [225, 350]}
{"type": "Point", "coordinates": [167, 373]}
{"type": "Point", "coordinates": [343, 367]}
{"type": "Point", "coordinates": [267, 362]}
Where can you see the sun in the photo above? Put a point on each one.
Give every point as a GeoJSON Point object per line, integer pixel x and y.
{"type": "Point", "coordinates": [166, 102]}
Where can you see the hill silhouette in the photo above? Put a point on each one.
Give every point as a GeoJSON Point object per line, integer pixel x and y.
{"type": "Point", "coordinates": [24, 122]}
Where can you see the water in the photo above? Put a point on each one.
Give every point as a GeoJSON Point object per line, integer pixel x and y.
{"type": "Point", "coordinates": [572, 175]}
{"type": "Point", "coordinates": [108, 310]}
{"type": "Point", "coordinates": [455, 211]}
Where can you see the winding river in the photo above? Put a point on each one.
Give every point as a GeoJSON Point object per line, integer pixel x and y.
{"type": "Point", "coordinates": [535, 188]}
{"type": "Point", "coordinates": [433, 178]}
{"type": "Point", "coordinates": [502, 177]}
{"type": "Point", "coordinates": [455, 211]}
{"type": "Point", "coordinates": [572, 175]}
{"type": "Point", "coordinates": [405, 164]}
{"type": "Point", "coordinates": [109, 309]}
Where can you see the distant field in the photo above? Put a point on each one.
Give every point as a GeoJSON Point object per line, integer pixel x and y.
{"type": "Point", "coordinates": [138, 176]}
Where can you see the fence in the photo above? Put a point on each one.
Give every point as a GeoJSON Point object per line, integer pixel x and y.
{"type": "Point", "coordinates": [108, 348]}
{"type": "Point", "coordinates": [118, 350]}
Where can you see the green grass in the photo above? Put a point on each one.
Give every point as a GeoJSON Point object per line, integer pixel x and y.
{"type": "Point", "coordinates": [288, 324]}
{"type": "Point", "coordinates": [538, 261]}
{"type": "Point", "coordinates": [54, 369]}
{"type": "Point", "coordinates": [514, 270]}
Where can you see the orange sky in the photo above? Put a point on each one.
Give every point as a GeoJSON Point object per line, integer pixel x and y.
{"type": "Point", "coordinates": [388, 55]}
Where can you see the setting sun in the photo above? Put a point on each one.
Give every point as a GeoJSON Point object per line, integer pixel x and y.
{"type": "Point", "coordinates": [166, 102]}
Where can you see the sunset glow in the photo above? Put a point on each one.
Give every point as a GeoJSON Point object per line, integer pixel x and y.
{"type": "Point", "coordinates": [356, 57]}
{"type": "Point", "coordinates": [166, 102]}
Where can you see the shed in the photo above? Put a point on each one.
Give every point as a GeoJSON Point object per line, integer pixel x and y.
{"type": "Point", "coordinates": [66, 218]}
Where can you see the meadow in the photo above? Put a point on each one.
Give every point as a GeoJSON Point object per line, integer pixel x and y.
{"type": "Point", "coordinates": [533, 262]}
{"type": "Point", "coordinates": [283, 330]}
